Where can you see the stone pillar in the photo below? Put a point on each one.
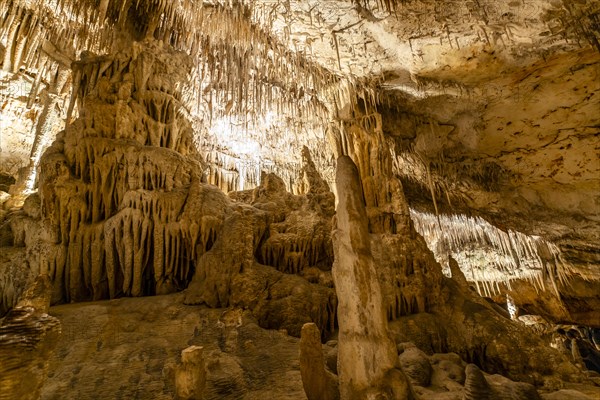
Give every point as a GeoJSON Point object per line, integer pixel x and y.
{"type": "Point", "coordinates": [190, 376]}
{"type": "Point", "coordinates": [365, 352]}
{"type": "Point", "coordinates": [318, 383]}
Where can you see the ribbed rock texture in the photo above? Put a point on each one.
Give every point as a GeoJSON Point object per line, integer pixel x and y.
{"type": "Point", "coordinates": [124, 211]}
{"type": "Point", "coordinates": [111, 203]}
{"type": "Point", "coordinates": [468, 127]}
{"type": "Point", "coordinates": [424, 306]}
{"type": "Point", "coordinates": [271, 255]}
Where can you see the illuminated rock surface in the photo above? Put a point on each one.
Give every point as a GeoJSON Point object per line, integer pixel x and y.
{"type": "Point", "coordinates": [411, 182]}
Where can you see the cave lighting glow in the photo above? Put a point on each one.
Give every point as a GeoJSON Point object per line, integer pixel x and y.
{"type": "Point", "coordinates": [489, 256]}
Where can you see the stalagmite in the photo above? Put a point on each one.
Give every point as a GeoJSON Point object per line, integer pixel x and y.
{"type": "Point", "coordinates": [363, 336]}
{"type": "Point", "coordinates": [318, 383]}
{"type": "Point", "coordinates": [190, 376]}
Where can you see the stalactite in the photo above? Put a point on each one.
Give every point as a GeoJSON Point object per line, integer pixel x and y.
{"type": "Point", "coordinates": [506, 256]}
{"type": "Point", "coordinates": [118, 211]}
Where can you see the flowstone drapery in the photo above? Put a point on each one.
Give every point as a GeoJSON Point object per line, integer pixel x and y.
{"type": "Point", "coordinates": [272, 256]}
{"type": "Point", "coordinates": [114, 184]}
{"type": "Point", "coordinates": [124, 211]}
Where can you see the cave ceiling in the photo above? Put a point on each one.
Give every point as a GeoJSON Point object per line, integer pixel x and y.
{"type": "Point", "coordinates": [491, 108]}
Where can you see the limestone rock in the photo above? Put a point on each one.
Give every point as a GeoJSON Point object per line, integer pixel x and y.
{"type": "Point", "coordinates": [32, 206]}
{"type": "Point", "coordinates": [38, 295]}
{"type": "Point", "coordinates": [447, 368]}
{"type": "Point", "coordinates": [230, 273]}
{"type": "Point", "coordinates": [457, 275]}
{"type": "Point", "coordinates": [416, 366]}
{"type": "Point", "coordinates": [318, 383]}
{"type": "Point", "coordinates": [15, 276]}
{"type": "Point", "coordinates": [363, 335]}
{"type": "Point", "coordinates": [190, 376]}
{"type": "Point", "coordinates": [28, 336]}
{"type": "Point", "coordinates": [4, 196]}
{"type": "Point", "coordinates": [478, 386]}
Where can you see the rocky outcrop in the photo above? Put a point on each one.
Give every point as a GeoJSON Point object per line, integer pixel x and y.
{"type": "Point", "coordinates": [110, 205]}
{"type": "Point", "coordinates": [479, 387]}
{"type": "Point", "coordinates": [28, 336]}
{"type": "Point", "coordinates": [293, 233]}
{"type": "Point", "coordinates": [119, 220]}
{"type": "Point", "coordinates": [415, 365]}
{"type": "Point", "coordinates": [439, 314]}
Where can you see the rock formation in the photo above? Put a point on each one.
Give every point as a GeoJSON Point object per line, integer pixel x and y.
{"type": "Point", "coordinates": [363, 333]}
{"type": "Point", "coordinates": [442, 315]}
{"type": "Point", "coordinates": [190, 377]}
{"type": "Point", "coordinates": [265, 256]}
{"type": "Point", "coordinates": [477, 386]}
{"type": "Point", "coordinates": [408, 187]}
{"type": "Point", "coordinates": [318, 383]}
{"type": "Point", "coordinates": [28, 336]}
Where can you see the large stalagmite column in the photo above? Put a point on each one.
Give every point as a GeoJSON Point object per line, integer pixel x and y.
{"type": "Point", "coordinates": [366, 354]}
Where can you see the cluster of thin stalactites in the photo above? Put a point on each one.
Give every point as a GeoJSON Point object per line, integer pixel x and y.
{"type": "Point", "coordinates": [489, 256]}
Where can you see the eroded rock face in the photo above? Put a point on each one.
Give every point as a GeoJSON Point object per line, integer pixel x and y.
{"type": "Point", "coordinates": [28, 336]}
{"type": "Point", "coordinates": [111, 205]}
{"type": "Point", "coordinates": [124, 212]}
{"type": "Point", "coordinates": [260, 255]}
{"type": "Point", "coordinates": [477, 386]}
{"type": "Point", "coordinates": [19, 252]}
{"type": "Point", "coordinates": [438, 313]}
{"type": "Point", "coordinates": [131, 347]}
{"type": "Point", "coordinates": [415, 365]}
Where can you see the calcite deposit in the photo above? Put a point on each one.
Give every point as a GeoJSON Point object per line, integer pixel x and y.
{"type": "Point", "coordinates": [325, 199]}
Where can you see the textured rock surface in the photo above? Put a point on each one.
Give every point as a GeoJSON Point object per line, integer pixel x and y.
{"type": "Point", "coordinates": [265, 256]}
{"type": "Point", "coordinates": [131, 348]}
{"type": "Point", "coordinates": [474, 124]}
{"type": "Point", "coordinates": [318, 383]}
{"type": "Point", "coordinates": [441, 315]}
{"type": "Point", "coordinates": [362, 320]}
{"type": "Point", "coordinates": [477, 386]}
{"type": "Point", "coordinates": [490, 108]}
{"type": "Point", "coordinates": [28, 337]}
{"type": "Point", "coordinates": [106, 194]}
{"type": "Point", "coordinates": [416, 366]}
{"type": "Point", "coordinates": [190, 376]}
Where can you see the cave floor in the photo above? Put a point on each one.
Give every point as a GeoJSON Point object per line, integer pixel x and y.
{"type": "Point", "coordinates": [127, 349]}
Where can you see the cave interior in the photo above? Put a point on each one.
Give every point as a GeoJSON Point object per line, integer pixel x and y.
{"type": "Point", "coordinates": [321, 200]}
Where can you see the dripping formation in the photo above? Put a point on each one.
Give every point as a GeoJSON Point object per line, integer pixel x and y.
{"type": "Point", "coordinates": [231, 177]}
{"type": "Point", "coordinates": [507, 255]}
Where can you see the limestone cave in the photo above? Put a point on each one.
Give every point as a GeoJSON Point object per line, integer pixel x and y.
{"type": "Point", "coordinates": [300, 199]}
